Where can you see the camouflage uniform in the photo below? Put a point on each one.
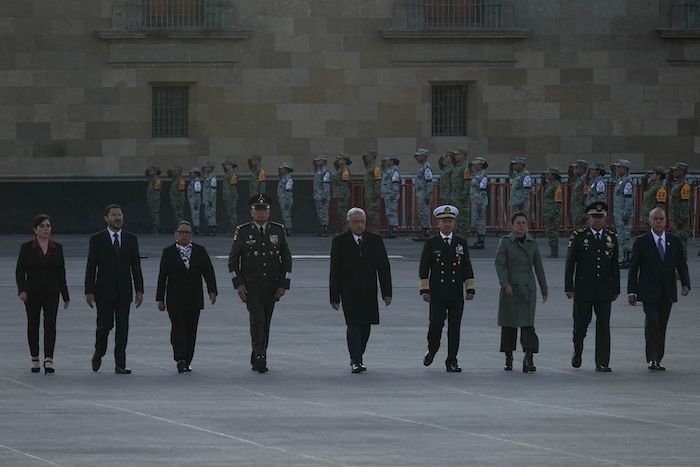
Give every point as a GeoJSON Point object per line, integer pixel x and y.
{"type": "Point", "coordinates": [229, 193]}
{"type": "Point", "coordinates": [679, 205]}
{"type": "Point", "coordinates": [623, 205]}
{"type": "Point", "coordinates": [445, 179]}
{"type": "Point", "coordinates": [373, 188]}
{"type": "Point", "coordinates": [553, 196]}
{"type": "Point", "coordinates": [257, 180]}
{"type": "Point", "coordinates": [479, 201]}
{"type": "Point", "coordinates": [209, 197]}
{"type": "Point", "coordinates": [577, 202]}
{"type": "Point", "coordinates": [461, 179]}
{"type": "Point", "coordinates": [597, 189]}
{"type": "Point", "coordinates": [655, 195]}
{"type": "Point", "coordinates": [391, 189]}
{"type": "Point", "coordinates": [341, 189]}
{"type": "Point", "coordinates": [521, 186]}
{"type": "Point", "coordinates": [177, 194]}
{"type": "Point", "coordinates": [194, 196]}
{"type": "Point", "coordinates": [153, 197]}
{"type": "Point", "coordinates": [424, 194]}
{"type": "Point", "coordinates": [285, 196]}
{"type": "Point", "coordinates": [322, 193]}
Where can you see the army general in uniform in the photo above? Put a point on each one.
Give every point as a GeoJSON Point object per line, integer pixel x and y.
{"type": "Point", "coordinates": [592, 279]}
{"type": "Point", "coordinates": [445, 271]}
{"type": "Point", "coordinates": [260, 265]}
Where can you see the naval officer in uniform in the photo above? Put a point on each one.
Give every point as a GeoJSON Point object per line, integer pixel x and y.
{"type": "Point", "coordinates": [260, 265]}
{"type": "Point", "coordinates": [445, 271]}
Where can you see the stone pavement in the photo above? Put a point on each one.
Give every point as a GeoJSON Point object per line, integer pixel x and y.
{"type": "Point", "coordinates": [310, 410]}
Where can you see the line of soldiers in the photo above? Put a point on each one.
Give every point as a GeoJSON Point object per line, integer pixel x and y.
{"type": "Point", "coordinates": [199, 189]}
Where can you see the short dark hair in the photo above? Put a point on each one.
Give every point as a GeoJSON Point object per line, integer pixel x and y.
{"type": "Point", "coordinates": [109, 207]}
{"type": "Point", "coordinates": [182, 223]}
{"type": "Point", "coordinates": [516, 215]}
{"type": "Point", "coordinates": [39, 218]}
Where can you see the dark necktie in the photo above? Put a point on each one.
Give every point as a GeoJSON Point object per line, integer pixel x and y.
{"type": "Point", "coordinates": [447, 241]}
{"type": "Point", "coordinates": [598, 236]}
{"type": "Point", "coordinates": [115, 243]}
{"type": "Point", "coordinates": [262, 232]}
{"type": "Point", "coordinates": [660, 247]}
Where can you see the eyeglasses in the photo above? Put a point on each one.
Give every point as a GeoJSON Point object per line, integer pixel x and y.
{"type": "Point", "coordinates": [184, 232]}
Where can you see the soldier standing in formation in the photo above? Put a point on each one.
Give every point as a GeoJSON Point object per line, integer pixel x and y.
{"type": "Point", "coordinates": [579, 188]}
{"type": "Point", "coordinates": [194, 196]}
{"type": "Point", "coordinates": [424, 193]}
{"type": "Point", "coordinates": [592, 280]}
{"type": "Point", "coordinates": [624, 210]}
{"type": "Point", "coordinates": [153, 197]}
{"type": "Point", "coordinates": [479, 200]}
{"type": "Point", "coordinates": [257, 180]}
{"type": "Point", "coordinates": [229, 193]}
{"type": "Point", "coordinates": [521, 186]}
{"type": "Point", "coordinates": [322, 191]}
{"type": "Point", "coordinates": [679, 205]}
{"type": "Point", "coordinates": [553, 196]}
{"type": "Point", "coordinates": [285, 195]}
{"type": "Point", "coordinates": [655, 195]}
{"type": "Point", "coordinates": [341, 188]}
{"type": "Point", "coordinates": [445, 271]}
{"type": "Point", "coordinates": [209, 197]}
{"type": "Point", "coordinates": [260, 265]}
{"type": "Point", "coordinates": [461, 178]}
{"type": "Point", "coordinates": [445, 163]}
{"type": "Point", "coordinates": [177, 193]}
{"type": "Point", "coordinates": [373, 187]}
{"type": "Point", "coordinates": [391, 188]}
{"type": "Point", "coordinates": [597, 189]}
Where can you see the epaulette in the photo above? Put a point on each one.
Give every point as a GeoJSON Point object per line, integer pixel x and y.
{"type": "Point", "coordinates": [242, 226]}
{"type": "Point", "coordinates": [610, 232]}
{"type": "Point", "coordinates": [277, 224]}
{"type": "Point", "coordinates": [578, 232]}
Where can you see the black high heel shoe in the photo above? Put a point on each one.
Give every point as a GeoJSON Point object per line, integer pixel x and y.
{"type": "Point", "coordinates": [509, 362]}
{"type": "Point", "coordinates": [36, 366]}
{"type": "Point", "coordinates": [48, 366]}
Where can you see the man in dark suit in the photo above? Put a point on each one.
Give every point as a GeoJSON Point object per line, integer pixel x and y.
{"type": "Point", "coordinates": [592, 280]}
{"type": "Point", "coordinates": [183, 265]}
{"type": "Point", "coordinates": [656, 258]}
{"type": "Point", "coordinates": [113, 263]}
{"type": "Point", "coordinates": [358, 258]}
{"type": "Point", "coordinates": [445, 270]}
{"type": "Point", "coordinates": [260, 265]}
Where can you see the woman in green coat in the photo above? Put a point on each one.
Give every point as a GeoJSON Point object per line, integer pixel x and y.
{"type": "Point", "coordinates": [516, 257]}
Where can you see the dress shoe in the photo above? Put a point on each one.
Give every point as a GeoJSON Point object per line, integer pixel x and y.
{"type": "Point", "coordinates": [48, 366]}
{"type": "Point", "coordinates": [181, 366]}
{"type": "Point", "coordinates": [260, 364]}
{"type": "Point", "coordinates": [36, 366]}
{"type": "Point", "coordinates": [428, 359]}
{"type": "Point", "coordinates": [356, 368]}
{"type": "Point", "coordinates": [362, 367]}
{"type": "Point", "coordinates": [603, 369]}
{"type": "Point", "coordinates": [509, 362]}
{"type": "Point", "coordinates": [96, 362]}
{"type": "Point", "coordinates": [576, 360]}
{"type": "Point", "coordinates": [655, 366]}
{"type": "Point", "coordinates": [121, 370]}
{"type": "Point", "coordinates": [188, 369]}
{"type": "Point", "coordinates": [528, 364]}
{"type": "Point", "coordinates": [453, 368]}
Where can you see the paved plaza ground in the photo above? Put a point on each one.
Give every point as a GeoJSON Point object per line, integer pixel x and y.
{"type": "Point", "coordinates": [310, 410]}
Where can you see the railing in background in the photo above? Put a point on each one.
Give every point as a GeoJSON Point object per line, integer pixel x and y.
{"type": "Point", "coordinates": [452, 15]}
{"type": "Point", "coordinates": [497, 218]}
{"type": "Point", "coordinates": [685, 14]}
{"type": "Point", "coordinates": [175, 15]}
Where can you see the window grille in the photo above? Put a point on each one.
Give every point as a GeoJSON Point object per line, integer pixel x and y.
{"type": "Point", "coordinates": [175, 15]}
{"type": "Point", "coordinates": [169, 113]}
{"type": "Point", "coordinates": [449, 110]}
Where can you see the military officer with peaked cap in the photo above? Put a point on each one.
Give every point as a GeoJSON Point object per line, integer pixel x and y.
{"type": "Point", "coordinates": [445, 272]}
{"type": "Point", "coordinates": [592, 280]}
{"type": "Point", "coordinates": [260, 265]}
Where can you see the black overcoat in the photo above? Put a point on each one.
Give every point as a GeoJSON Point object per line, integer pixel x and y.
{"type": "Point", "coordinates": [181, 288]}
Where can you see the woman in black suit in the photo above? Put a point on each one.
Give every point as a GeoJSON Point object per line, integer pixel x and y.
{"type": "Point", "coordinates": [41, 276]}
{"type": "Point", "coordinates": [182, 268]}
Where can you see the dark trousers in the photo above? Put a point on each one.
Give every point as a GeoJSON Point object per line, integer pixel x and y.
{"type": "Point", "coordinates": [657, 315]}
{"type": "Point", "coordinates": [439, 311]}
{"type": "Point", "coordinates": [33, 308]}
{"type": "Point", "coordinates": [260, 315]}
{"type": "Point", "coordinates": [582, 318]}
{"type": "Point", "coordinates": [528, 339]}
{"type": "Point", "coordinates": [183, 333]}
{"type": "Point", "coordinates": [357, 336]}
{"type": "Point", "coordinates": [107, 315]}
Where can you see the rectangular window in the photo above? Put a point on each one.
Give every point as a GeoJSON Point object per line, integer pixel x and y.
{"type": "Point", "coordinates": [692, 15]}
{"type": "Point", "coordinates": [169, 113]}
{"type": "Point", "coordinates": [177, 15]}
{"type": "Point", "coordinates": [456, 15]}
{"type": "Point", "coordinates": [449, 106]}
